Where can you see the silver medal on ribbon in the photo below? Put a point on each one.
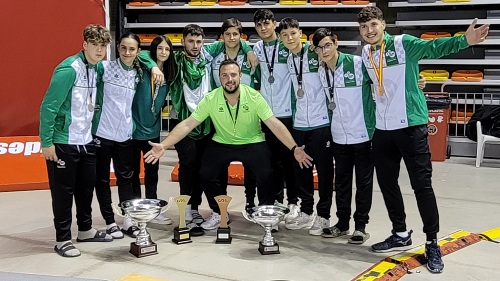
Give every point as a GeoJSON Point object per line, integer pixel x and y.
{"type": "Point", "coordinates": [300, 92]}
{"type": "Point", "coordinates": [332, 105]}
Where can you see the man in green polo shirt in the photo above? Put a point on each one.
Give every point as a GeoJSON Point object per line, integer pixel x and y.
{"type": "Point", "coordinates": [236, 111]}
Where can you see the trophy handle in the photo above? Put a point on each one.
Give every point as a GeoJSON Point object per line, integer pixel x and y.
{"type": "Point", "coordinates": [117, 210]}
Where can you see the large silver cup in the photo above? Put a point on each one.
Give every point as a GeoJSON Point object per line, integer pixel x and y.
{"type": "Point", "coordinates": [267, 216]}
{"type": "Point", "coordinates": [142, 211]}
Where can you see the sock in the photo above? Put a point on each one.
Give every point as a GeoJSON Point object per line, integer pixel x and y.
{"type": "Point", "coordinates": [127, 223]}
{"type": "Point", "coordinates": [87, 234]}
{"type": "Point", "coordinates": [71, 253]}
{"type": "Point", "coordinates": [111, 225]}
{"type": "Point", "coordinates": [403, 234]}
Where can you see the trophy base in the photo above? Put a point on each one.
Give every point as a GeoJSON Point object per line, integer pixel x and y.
{"type": "Point", "coordinates": [224, 235]}
{"type": "Point", "coordinates": [269, 250]}
{"type": "Point", "coordinates": [144, 250]}
{"type": "Point", "coordinates": [181, 236]}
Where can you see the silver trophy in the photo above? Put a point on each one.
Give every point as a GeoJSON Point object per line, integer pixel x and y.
{"type": "Point", "coordinates": [142, 211]}
{"type": "Point", "coordinates": [267, 216]}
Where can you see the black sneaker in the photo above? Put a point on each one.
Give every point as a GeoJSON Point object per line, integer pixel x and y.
{"type": "Point", "coordinates": [393, 243]}
{"type": "Point", "coordinates": [433, 255]}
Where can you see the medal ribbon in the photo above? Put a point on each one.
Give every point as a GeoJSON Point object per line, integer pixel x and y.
{"type": "Point", "coordinates": [235, 116]}
{"type": "Point", "coordinates": [299, 73]}
{"type": "Point", "coordinates": [154, 94]}
{"type": "Point", "coordinates": [331, 85]}
{"type": "Point", "coordinates": [270, 66]}
{"type": "Point", "coordinates": [379, 72]}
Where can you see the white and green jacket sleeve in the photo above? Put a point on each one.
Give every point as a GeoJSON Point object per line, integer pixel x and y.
{"type": "Point", "coordinates": [403, 103]}
{"type": "Point", "coordinates": [65, 117]}
{"type": "Point", "coordinates": [353, 119]}
{"type": "Point", "coordinates": [278, 94]}
{"type": "Point", "coordinates": [310, 111]}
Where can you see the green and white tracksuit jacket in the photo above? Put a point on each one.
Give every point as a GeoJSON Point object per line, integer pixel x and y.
{"type": "Point", "coordinates": [310, 111]}
{"type": "Point", "coordinates": [216, 53]}
{"type": "Point", "coordinates": [278, 95]}
{"type": "Point", "coordinates": [65, 117]}
{"type": "Point", "coordinates": [147, 123]}
{"type": "Point", "coordinates": [403, 103]}
{"type": "Point", "coordinates": [115, 93]}
{"type": "Point", "coordinates": [353, 119]}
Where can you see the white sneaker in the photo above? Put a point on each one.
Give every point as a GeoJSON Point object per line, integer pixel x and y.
{"type": "Point", "coordinates": [318, 225]}
{"type": "Point", "coordinates": [188, 217]}
{"type": "Point", "coordinates": [302, 221]}
{"type": "Point", "coordinates": [211, 222]}
{"type": "Point", "coordinates": [293, 214]}
{"type": "Point", "coordinates": [161, 219]}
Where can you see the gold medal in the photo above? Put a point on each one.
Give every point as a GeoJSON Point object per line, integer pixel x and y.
{"type": "Point", "coordinates": [381, 90]}
{"type": "Point", "coordinates": [379, 71]}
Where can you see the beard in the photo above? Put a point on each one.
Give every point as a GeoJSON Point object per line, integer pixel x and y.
{"type": "Point", "coordinates": [191, 54]}
{"type": "Point", "coordinates": [232, 91]}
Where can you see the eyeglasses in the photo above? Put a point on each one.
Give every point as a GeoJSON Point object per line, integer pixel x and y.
{"type": "Point", "coordinates": [320, 49]}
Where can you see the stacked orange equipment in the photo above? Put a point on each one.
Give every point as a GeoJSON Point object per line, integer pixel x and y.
{"type": "Point", "coordinates": [434, 35]}
{"type": "Point", "coordinates": [467, 75]}
{"type": "Point", "coordinates": [144, 3]}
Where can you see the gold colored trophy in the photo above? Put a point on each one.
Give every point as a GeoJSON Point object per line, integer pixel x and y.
{"type": "Point", "coordinates": [224, 231]}
{"type": "Point", "coordinates": [181, 232]}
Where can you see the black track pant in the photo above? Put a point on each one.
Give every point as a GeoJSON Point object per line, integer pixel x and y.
{"type": "Point", "coordinates": [141, 147]}
{"type": "Point", "coordinates": [318, 144]}
{"type": "Point", "coordinates": [121, 153]}
{"type": "Point", "coordinates": [255, 157]}
{"type": "Point", "coordinates": [73, 175]}
{"type": "Point", "coordinates": [412, 145]}
{"type": "Point", "coordinates": [349, 157]}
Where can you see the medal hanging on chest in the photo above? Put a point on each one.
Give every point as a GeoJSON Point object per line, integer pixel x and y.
{"type": "Point", "coordinates": [331, 88]}
{"type": "Point", "coordinates": [298, 72]}
{"type": "Point", "coordinates": [90, 105]}
{"type": "Point", "coordinates": [270, 65]}
{"type": "Point", "coordinates": [379, 70]}
{"type": "Point", "coordinates": [154, 93]}
{"type": "Point", "coordinates": [300, 92]}
{"type": "Point", "coordinates": [332, 105]}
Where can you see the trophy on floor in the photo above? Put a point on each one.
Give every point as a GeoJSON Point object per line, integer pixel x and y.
{"type": "Point", "coordinates": [224, 231]}
{"type": "Point", "coordinates": [181, 232]}
{"type": "Point", "coordinates": [267, 216]}
{"type": "Point", "coordinates": [142, 211]}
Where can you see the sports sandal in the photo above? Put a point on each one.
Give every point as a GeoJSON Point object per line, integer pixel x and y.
{"type": "Point", "coordinates": [195, 230]}
{"type": "Point", "coordinates": [98, 237]}
{"type": "Point", "coordinates": [358, 237]}
{"type": "Point", "coordinates": [115, 232]}
{"type": "Point", "coordinates": [333, 232]}
{"type": "Point", "coordinates": [66, 247]}
{"type": "Point", "coordinates": [130, 231]}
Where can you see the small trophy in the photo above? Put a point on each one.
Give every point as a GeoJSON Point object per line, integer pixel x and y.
{"type": "Point", "coordinates": [267, 216]}
{"type": "Point", "coordinates": [181, 232]}
{"type": "Point", "coordinates": [141, 211]}
{"type": "Point", "coordinates": [224, 231]}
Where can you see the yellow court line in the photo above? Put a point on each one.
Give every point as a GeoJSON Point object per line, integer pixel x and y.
{"type": "Point", "coordinates": [392, 267]}
{"type": "Point", "coordinates": [492, 233]}
{"type": "Point", "coordinates": [376, 271]}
